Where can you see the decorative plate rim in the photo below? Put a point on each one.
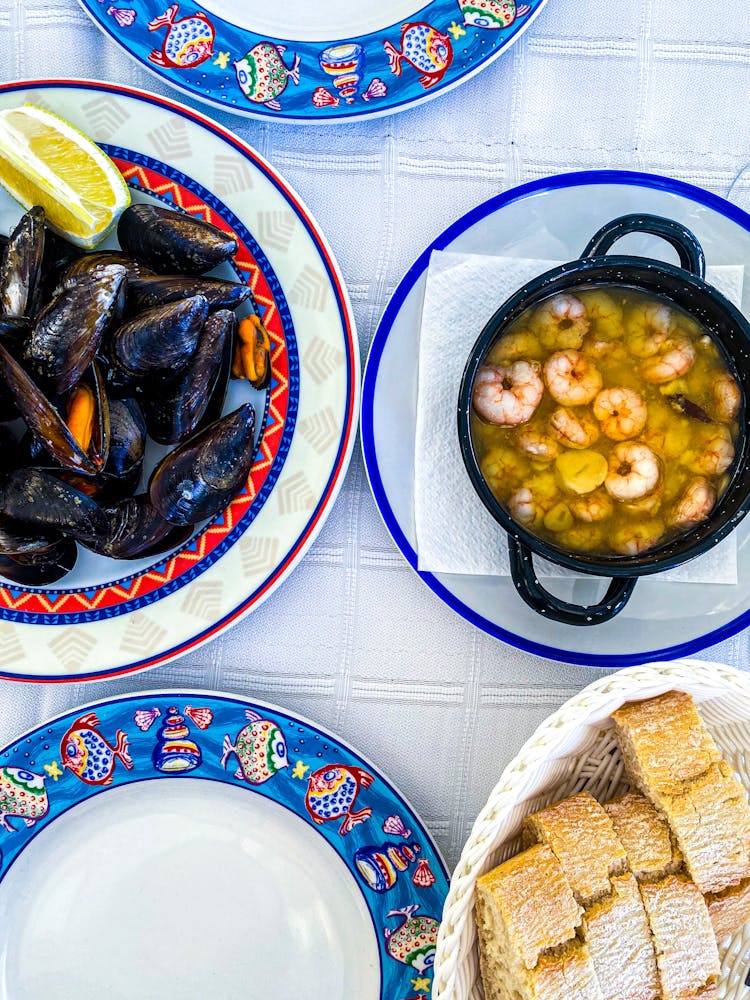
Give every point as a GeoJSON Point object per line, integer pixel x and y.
{"type": "Point", "coordinates": [314, 523]}
{"type": "Point", "coordinates": [272, 712]}
{"type": "Point", "coordinates": [318, 114]}
{"type": "Point", "coordinates": [369, 380]}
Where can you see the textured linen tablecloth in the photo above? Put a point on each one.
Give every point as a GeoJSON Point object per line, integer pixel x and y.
{"type": "Point", "coordinates": [353, 639]}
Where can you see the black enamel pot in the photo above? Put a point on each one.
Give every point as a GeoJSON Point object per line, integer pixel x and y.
{"type": "Point", "coordinates": [685, 286]}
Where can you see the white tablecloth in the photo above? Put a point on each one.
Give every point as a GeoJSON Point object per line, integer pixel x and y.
{"type": "Point", "coordinates": [353, 640]}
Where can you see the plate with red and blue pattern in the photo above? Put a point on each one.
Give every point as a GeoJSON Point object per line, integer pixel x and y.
{"type": "Point", "coordinates": [190, 844]}
{"type": "Point", "coordinates": [328, 61]}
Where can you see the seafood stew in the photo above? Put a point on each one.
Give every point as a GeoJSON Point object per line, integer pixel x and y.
{"type": "Point", "coordinates": [605, 420]}
{"type": "Point", "coordinates": [101, 353]}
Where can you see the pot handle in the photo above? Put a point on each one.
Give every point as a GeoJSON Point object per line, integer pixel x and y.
{"type": "Point", "coordinates": [534, 594]}
{"type": "Point", "coordinates": [684, 242]}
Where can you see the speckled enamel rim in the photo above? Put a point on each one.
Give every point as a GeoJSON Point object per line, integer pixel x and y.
{"type": "Point", "coordinates": [341, 79]}
{"type": "Point", "coordinates": [324, 389]}
{"type": "Point", "coordinates": [391, 843]}
{"type": "Point", "coordinates": [372, 460]}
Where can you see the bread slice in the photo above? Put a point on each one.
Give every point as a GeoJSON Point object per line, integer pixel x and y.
{"type": "Point", "coordinates": [564, 973]}
{"type": "Point", "coordinates": [664, 743]}
{"type": "Point", "coordinates": [711, 823]}
{"type": "Point", "coordinates": [729, 909]}
{"type": "Point", "coordinates": [617, 934]}
{"type": "Point", "coordinates": [645, 835]}
{"type": "Point", "coordinates": [584, 841]}
{"type": "Point", "coordinates": [524, 907]}
{"type": "Point", "coordinates": [684, 941]}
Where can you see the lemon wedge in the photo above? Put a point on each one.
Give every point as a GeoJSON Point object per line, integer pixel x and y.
{"type": "Point", "coordinates": [44, 160]}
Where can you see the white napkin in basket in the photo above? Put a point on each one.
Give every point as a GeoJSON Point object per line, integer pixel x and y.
{"type": "Point", "coordinates": [455, 533]}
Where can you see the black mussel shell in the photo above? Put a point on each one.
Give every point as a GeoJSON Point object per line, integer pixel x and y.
{"type": "Point", "coordinates": [14, 329]}
{"type": "Point", "coordinates": [21, 265]}
{"type": "Point", "coordinates": [159, 340]}
{"type": "Point", "coordinates": [67, 333]}
{"type": "Point", "coordinates": [137, 530]}
{"type": "Point", "coordinates": [46, 423]}
{"type": "Point", "coordinates": [12, 452]}
{"type": "Point", "coordinates": [37, 498]}
{"type": "Point", "coordinates": [215, 405]}
{"type": "Point", "coordinates": [103, 258]}
{"type": "Point", "coordinates": [203, 474]}
{"type": "Point", "coordinates": [173, 242]}
{"type": "Point", "coordinates": [42, 566]}
{"type": "Point", "coordinates": [144, 293]}
{"type": "Point", "coordinates": [174, 410]}
{"type": "Point", "coordinates": [127, 444]}
{"type": "Point", "coordinates": [17, 538]}
{"type": "Point", "coordinates": [59, 254]}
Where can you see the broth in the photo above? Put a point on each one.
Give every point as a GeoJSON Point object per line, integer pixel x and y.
{"type": "Point", "coordinates": [605, 421]}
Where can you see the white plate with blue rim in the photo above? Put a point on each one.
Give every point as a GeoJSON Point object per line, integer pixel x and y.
{"type": "Point", "coordinates": [190, 844]}
{"type": "Point", "coordinates": [553, 219]}
{"type": "Point", "coordinates": [327, 61]}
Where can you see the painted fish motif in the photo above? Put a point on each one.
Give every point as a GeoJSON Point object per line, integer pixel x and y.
{"type": "Point", "coordinates": [492, 14]}
{"type": "Point", "coordinates": [22, 796]}
{"type": "Point", "coordinates": [414, 940]}
{"type": "Point", "coordinates": [262, 74]}
{"type": "Point", "coordinates": [331, 793]}
{"type": "Point", "coordinates": [260, 749]}
{"type": "Point", "coordinates": [189, 41]}
{"type": "Point", "coordinates": [88, 755]}
{"type": "Point", "coordinates": [425, 48]}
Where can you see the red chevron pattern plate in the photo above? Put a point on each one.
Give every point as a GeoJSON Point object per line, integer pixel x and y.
{"type": "Point", "coordinates": [305, 440]}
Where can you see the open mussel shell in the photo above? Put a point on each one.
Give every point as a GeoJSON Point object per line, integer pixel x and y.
{"type": "Point", "coordinates": [127, 445]}
{"type": "Point", "coordinates": [59, 255]}
{"type": "Point", "coordinates": [137, 530]}
{"type": "Point", "coordinates": [144, 293]}
{"type": "Point", "coordinates": [67, 333]}
{"type": "Point", "coordinates": [159, 340]}
{"type": "Point", "coordinates": [103, 258]}
{"type": "Point", "coordinates": [21, 265]}
{"type": "Point", "coordinates": [35, 497]}
{"type": "Point", "coordinates": [203, 474]}
{"type": "Point", "coordinates": [215, 405]}
{"type": "Point", "coordinates": [174, 410]}
{"type": "Point", "coordinates": [46, 423]}
{"type": "Point", "coordinates": [41, 567]}
{"type": "Point", "coordinates": [173, 242]}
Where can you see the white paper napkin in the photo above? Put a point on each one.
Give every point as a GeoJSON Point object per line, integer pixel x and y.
{"type": "Point", "coordinates": [455, 533]}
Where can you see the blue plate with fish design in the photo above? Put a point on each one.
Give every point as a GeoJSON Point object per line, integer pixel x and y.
{"type": "Point", "coordinates": [343, 61]}
{"type": "Point", "coordinates": [179, 843]}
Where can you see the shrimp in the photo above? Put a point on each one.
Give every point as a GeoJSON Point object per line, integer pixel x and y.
{"type": "Point", "coordinates": [503, 468]}
{"type": "Point", "coordinates": [517, 345]}
{"type": "Point", "coordinates": [648, 327]}
{"type": "Point", "coordinates": [646, 505]}
{"type": "Point", "coordinates": [604, 313]}
{"type": "Point", "coordinates": [727, 397]}
{"type": "Point", "coordinates": [675, 357]}
{"type": "Point", "coordinates": [530, 504]}
{"type": "Point", "coordinates": [714, 454]}
{"type": "Point", "coordinates": [622, 413]}
{"type": "Point", "coordinates": [508, 396]}
{"type": "Point", "coordinates": [561, 322]}
{"type": "Point", "coordinates": [574, 428]}
{"type": "Point", "coordinates": [595, 506]}
{"type": "Point", "coordinates": [632, 540]}
{"type": "Point", "coordinates": [538, 444]}
{"type": "Point", "coordinates": [633, 471]}
{"type": "Point", "coordinates": [571, 378]}
{"type": "Point", "coordinates": [695, 504]}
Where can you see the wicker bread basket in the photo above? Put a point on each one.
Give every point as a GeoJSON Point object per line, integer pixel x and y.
{"type": "Point", "coordinates": [575, 750]}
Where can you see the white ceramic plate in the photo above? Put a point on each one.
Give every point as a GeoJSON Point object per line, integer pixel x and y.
{"type": "Point", "coordinates": [108, 617]}
{"type": "Point", "coordinates": [326, 61]}
{"type": "Point", "coordinates": [552, 219]}
{"type": "Point", "coordinates": [195, 845]}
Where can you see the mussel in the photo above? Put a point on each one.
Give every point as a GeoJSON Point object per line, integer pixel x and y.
{"type": "Point", "coordinates": [175, 410]}
{"type": "Point", "coordinates": [144, 293]}
{"type": "Point", "coordinates": [173, 242]}
{"type": "Point", "coordinates": [21, 265]}
{"type": "Point", "coordinates": [159, 340]}
{"type": "Point", "coordinates": [252, 353]}
{"type": "Point", "coordinates": [67, 333]}
{"type": "Point", "coordinates": [203, 474]}
{"type": "Point", "coordinates": [127, 443]}
{"type": "Point", "coordinates": [42, 566]}
{"type": "Point", "coordinates": [86, 406]}
{"type": "Point", "coordinates": [215, 405]}
{"type": "Point", "coordinates": [102, 258]}
{"type": "Point", "coordinates": [35, 497]}
{"type": "Point", "coordinates": [136, 530]}
{"type": "Point", "coordinates": [59, 255]}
